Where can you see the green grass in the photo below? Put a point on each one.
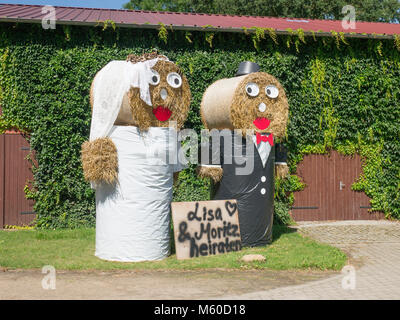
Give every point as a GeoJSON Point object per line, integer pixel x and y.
{"type": "Point", "coordinates": [74, 250]}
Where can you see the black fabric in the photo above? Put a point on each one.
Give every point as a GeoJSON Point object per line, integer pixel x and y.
{"type": "Point", "coordinates": [209, 151]}
{"type": "Point", "coordinates": [255, 209]}
{"type": "Point", "coordinates": [247, 67]}
{"type": "Point", "coordinates": [280, 153]}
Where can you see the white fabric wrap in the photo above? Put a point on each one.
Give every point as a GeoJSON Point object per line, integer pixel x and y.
{"type": "Point", "coordinates": [110, 85]}
{"type": "Point", "coordinates": [133, 218]}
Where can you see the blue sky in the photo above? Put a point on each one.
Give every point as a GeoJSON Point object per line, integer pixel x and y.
{"type": "Point", "coordinates": [115, 4]}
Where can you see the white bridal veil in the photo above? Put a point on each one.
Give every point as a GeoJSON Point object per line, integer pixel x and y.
{"type": "Point", "coordinates": [110, 85]}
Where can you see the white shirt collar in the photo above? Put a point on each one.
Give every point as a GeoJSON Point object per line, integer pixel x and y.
{"type": "Point", "coordinates": [263, 149]}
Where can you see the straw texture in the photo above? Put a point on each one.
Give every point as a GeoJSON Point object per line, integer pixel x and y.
{"type": "Point", "coordinates": [100, 161]}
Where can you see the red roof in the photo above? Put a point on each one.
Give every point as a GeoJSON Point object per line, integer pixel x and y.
{"type": "Point", "coordinates": [191, 21]}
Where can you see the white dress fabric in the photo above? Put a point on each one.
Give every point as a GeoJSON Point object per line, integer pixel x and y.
{"type": "Point", "coordinates": [133, 217]}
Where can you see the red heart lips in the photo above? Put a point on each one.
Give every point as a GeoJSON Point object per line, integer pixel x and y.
{"type": "Point", "coordinates": [162, 113]}
{"type": "Point", "coordinates": [261, 123]}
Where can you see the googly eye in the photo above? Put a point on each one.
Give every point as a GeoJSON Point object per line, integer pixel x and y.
{"type": "Point", "coordinates": [252, 89]}
{"type": "Point", "coordinates": [154, 78]}
{"type": "Point", "coordinates": [174, 80]}
{"type": "Point", "coordinates": [271, 91]}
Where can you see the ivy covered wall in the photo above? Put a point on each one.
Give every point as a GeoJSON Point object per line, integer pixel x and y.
{"type": "Point", "coordinates": [344, 94]}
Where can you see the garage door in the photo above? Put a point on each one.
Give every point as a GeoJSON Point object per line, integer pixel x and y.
{"type": "Point", "coordinates": [328, 194]}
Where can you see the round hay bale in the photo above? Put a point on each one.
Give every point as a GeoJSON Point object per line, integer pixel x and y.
{"type": "Point", "coordinates": [135, 112]}
{"type": "Point", "coordinates": [177, 101]}
{"type": "Point", "coordinates": [217, 101]}
{"type": "Point", "coordinates": [226, 104]}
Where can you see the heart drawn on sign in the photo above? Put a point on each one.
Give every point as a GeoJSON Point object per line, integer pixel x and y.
{"type": "Point", "coordinates": [230, 207]}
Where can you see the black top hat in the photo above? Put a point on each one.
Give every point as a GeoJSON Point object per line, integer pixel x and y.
{"type": "Point", "coordinates": [247, 67]}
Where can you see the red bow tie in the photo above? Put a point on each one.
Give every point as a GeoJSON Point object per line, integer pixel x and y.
{"type": "Point", "coordinates": [269, 138]}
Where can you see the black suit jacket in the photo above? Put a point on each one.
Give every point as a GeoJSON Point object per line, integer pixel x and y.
{"type": "Point", "coordinates": [254, 192]}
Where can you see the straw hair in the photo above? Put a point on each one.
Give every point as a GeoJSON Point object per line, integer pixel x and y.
{"type": "Point", "coordinates": [281, 171]}
{"type": "Point", "coordinates": [226, 105]}
{"type": "Point", "coordinates": [244, 109]}
{"type": "Point", "coordinates": [100, 161]}
{"type": "Point", "coordinates": [178, 100]}
{"type": "Point", "coordinates": [215, 173]}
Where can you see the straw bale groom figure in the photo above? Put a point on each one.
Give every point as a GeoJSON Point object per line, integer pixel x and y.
{"type": "Point", "coordinates": [243, 166]}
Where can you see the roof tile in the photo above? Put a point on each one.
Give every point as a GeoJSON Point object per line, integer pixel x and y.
{"type": "Point", "coordinates": [91, 16]}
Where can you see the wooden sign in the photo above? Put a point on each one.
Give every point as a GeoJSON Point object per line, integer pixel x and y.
{"type": "Point", "coordinates": [204, 228]}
